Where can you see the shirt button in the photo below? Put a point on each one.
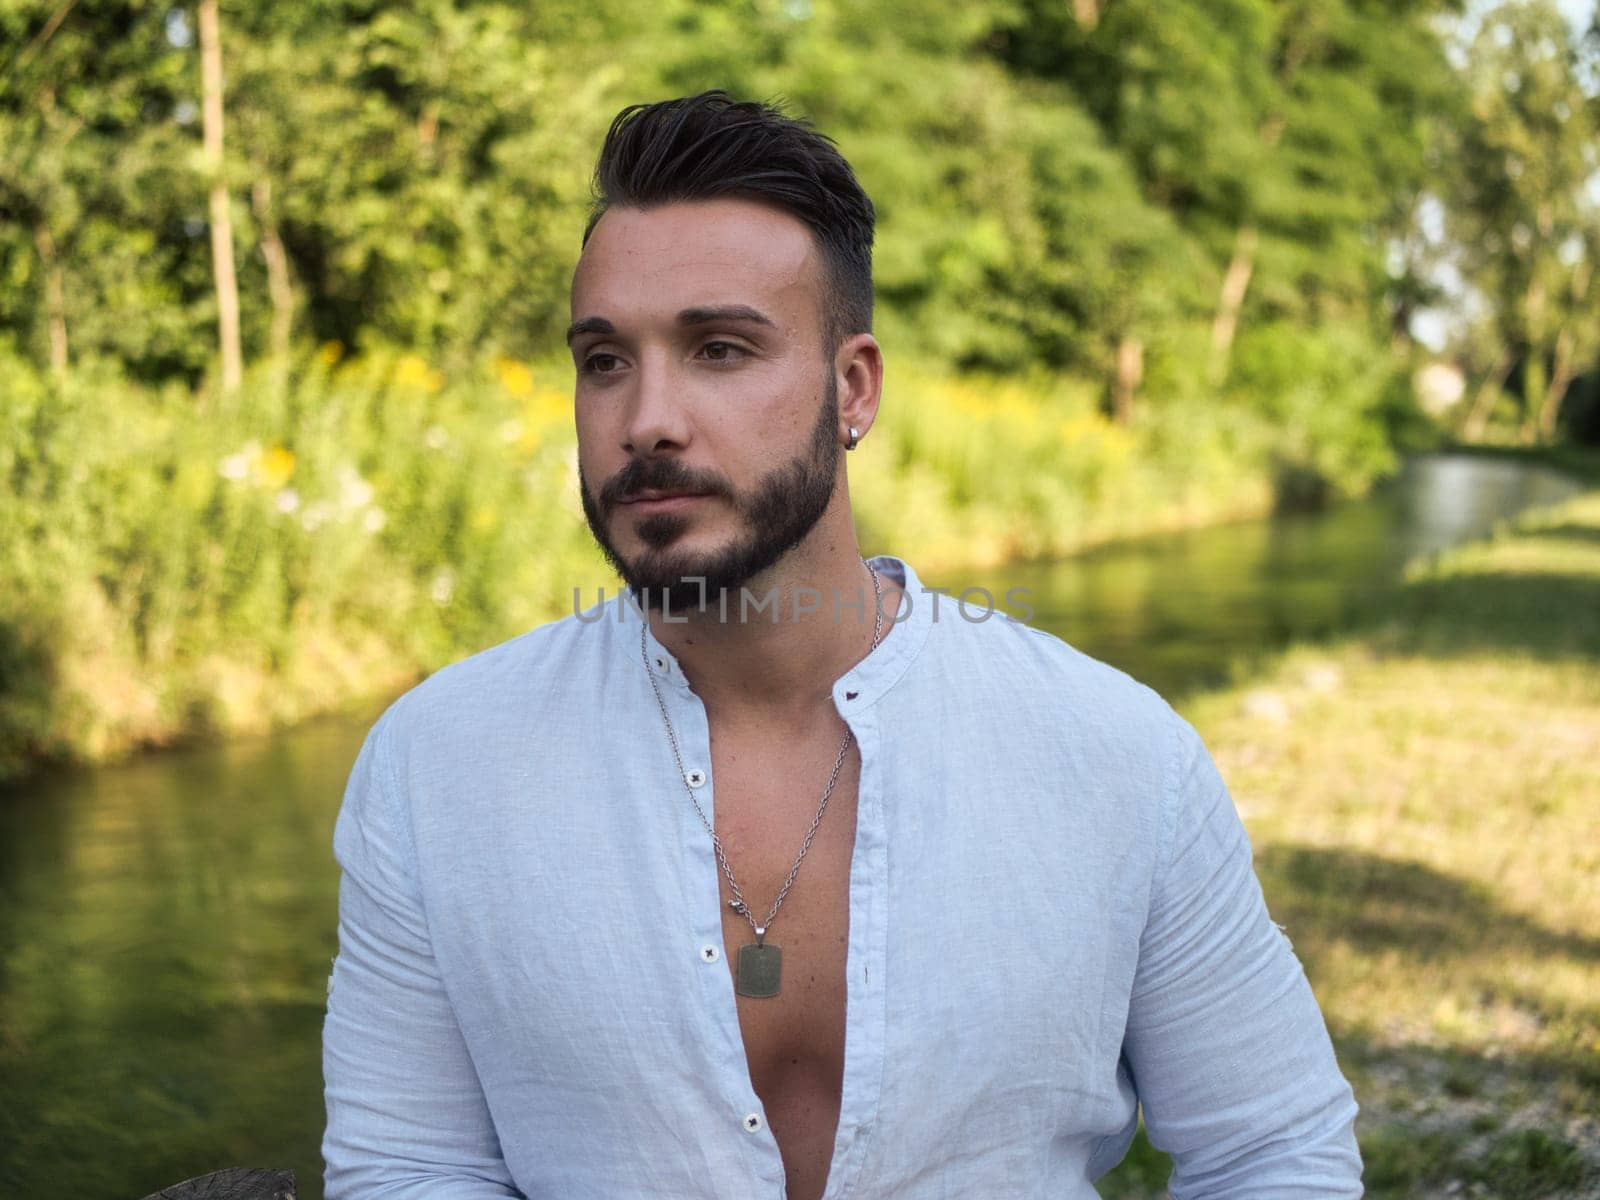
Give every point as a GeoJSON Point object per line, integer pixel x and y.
{"type": "Point", "coordinates": [709, 953]}
{"type": "Point", "coordinates": [661, 664]}
{"type": "Point", "coordinates": [695, 777]}
{"type": "Point", "coordinates": [752, 1123]}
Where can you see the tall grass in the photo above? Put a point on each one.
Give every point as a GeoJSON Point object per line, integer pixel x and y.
{"type": "Point", "coordinates": [974, 471]}
{"type": "Point", "coordinates": [173, 564]}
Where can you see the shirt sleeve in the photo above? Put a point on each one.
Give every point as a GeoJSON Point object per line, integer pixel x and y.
{"type": "Point", "coordinates": [406, 1113]}
{"type": "Point", "coordinates": [1228, 1051]}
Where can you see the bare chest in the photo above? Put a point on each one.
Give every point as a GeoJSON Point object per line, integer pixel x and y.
{"type": "Point", "coordinates": [767, 797]}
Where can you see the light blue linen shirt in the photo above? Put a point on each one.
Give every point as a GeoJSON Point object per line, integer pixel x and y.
{"type": "Point", "coordinates": [1053, 920]}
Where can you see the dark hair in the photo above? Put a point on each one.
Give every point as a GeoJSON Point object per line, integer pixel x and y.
{"type": "Point", "coordinates": [709, 146]}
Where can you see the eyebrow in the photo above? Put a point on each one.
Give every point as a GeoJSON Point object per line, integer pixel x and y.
{"type": "Point", "coordinates": [725, 312]}
{"type": "Point", "coordinates": [589, 325]}
{"type": "Point", "coordinates": [688, 317]}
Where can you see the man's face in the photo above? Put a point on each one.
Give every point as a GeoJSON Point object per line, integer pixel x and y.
{"type": "Point", "coordinates": [696, 334]}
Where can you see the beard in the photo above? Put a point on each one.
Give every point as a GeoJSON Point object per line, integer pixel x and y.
{"type": "Point", "coordinates": [777, 512]}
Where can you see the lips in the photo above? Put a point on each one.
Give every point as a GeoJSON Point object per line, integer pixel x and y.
{"type": "Point", "coordinates": [660, 501]}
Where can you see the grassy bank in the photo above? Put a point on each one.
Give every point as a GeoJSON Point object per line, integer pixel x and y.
{"type": "Point", "coordinates": [176, 566]}
{"type": "Point", "coordinates": [1423, 800]}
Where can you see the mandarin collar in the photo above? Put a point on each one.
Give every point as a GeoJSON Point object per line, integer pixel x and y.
{"type": "Point", "coordinates": [859, 687]}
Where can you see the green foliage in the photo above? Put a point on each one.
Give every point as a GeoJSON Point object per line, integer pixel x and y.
{"type": "Point", "coordinates": [1322, 392]}
{"type": "Point", "coordinates": [179, 565]}
{"type": "Point", "coordinates": [987, 469]}
{"type": "Point", "coordinates": [173, 567]}
{"type": "Point", "coordinates": [1181, 88]}
{"type": "Point", "coordinates": [1046, 190]}
{"type": "Point", "coordinates": [1525, 210]}
{"type": "Point", "coordinates": [96, 183]}
{"type": "Point", "coordinates": [1307, 120]}
{"type": "Point", "coordinates": [1134, 269]}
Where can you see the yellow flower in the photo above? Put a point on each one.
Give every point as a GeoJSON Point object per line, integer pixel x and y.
{"type": "Point", "coordinates": [413, 371]}
{"type": "Point", "coordinates": [515, 377]}
{"type": "Point", "coordinates": [544, 409]}
{"type": "Point", "coordinates": [277, 465]}
{"type": "Point", "coordinates": [1079, 427]}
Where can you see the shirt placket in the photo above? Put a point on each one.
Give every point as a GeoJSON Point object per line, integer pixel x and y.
{"type": "Point", "coordinates": [743, 1111]}
{"type": "Point", "coordinates": [867, 958]}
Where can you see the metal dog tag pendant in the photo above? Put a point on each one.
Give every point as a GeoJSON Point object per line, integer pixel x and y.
{"type": "Point", "coordinates": [760, 966]}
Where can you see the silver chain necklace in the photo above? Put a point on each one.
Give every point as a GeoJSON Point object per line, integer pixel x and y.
{"type": "Point", "coordinates": [760, 962]}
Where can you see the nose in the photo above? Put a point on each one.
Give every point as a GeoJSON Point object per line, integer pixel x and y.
{"type": "Point", "coordinates": [656, 418]}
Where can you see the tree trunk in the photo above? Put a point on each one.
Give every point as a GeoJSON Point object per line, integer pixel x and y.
{"type": "Point", "coordinates": [1234, 285]}
{"type": "Point", "coordinates": [1225, 326]}
{"type": "Point", "coordinates": [1566, 353]}
{"type": "Point", "coordinates": [428, 130]}
{"type": "Point", "coordinates": [1535, 391]}
{"type": "Point", "coordinates": [1560, 378]}
{"type": "Point", "coordinates": [43, 36]}
{"type": "Point", "coordinates": [54, 296]}
{"type": "Point", "coordinates": [1087, 12]}
{"type": "Point", "coordinates": [227, 282]}
{"type": "Point", "coordinates": [279, 287]}
{"type": "Point", "coordinates": [1130, 372]}
{"type": "Point", "coordinates": [1478, 416]}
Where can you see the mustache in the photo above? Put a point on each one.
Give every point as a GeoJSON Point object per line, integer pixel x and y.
{"type": "Point", "coordinates": [659, 474]}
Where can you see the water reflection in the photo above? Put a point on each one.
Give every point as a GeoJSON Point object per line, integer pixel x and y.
{"type": "Point", "coordinates": [1178, 611]}
{"type": "Point", "coordinates": [1445, 500]}
{"type": "Point", "coordinates": [165, 935]}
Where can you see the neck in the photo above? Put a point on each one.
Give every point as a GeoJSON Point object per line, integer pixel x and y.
{"type": "Point", "coordinates": [754, 667]}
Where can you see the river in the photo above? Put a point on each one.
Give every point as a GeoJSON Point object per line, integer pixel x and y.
{"type": "Point", "coordinates": [167, 926]}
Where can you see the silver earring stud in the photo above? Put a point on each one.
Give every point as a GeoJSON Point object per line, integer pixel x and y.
{"type": "Point", "coordinates": [854, 438]}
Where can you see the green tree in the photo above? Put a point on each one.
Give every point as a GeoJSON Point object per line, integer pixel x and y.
{"type": "Point", "coordinates": [98, 208]}
{"type": "Point", "coordinates": [1287, 137]}
{"type": "Point", "coordinates": [1525, 211]}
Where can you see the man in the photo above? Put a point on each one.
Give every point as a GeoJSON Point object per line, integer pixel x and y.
{"type": "Point", "coordinates": [785, 883]}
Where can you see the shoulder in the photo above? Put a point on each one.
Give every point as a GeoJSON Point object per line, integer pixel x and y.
{"type": "Point", "coordinates": [1023, 666]}
{"type": "Point", "coordinates": [499, 693]}
{"type": "Point", "coordinates": [1069, 732]}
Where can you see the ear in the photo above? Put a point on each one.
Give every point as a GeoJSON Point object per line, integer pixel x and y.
{"type": "Point", "coordinates": [858, 373]}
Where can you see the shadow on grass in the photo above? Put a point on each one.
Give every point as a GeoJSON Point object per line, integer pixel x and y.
{"type": "Point", "coordinates": [1328, 894]}
{"type": "Point", "coordinates": [1435, 1118]}
{"type": "Point", "coordinates": [1572, 531]}
{"type": "Point", "coordinates": [1548, 615]}
{"type": "Point", "coordinates": [1445, 1121]}
{"type": "Point", "coordinates": [1433, 1122]}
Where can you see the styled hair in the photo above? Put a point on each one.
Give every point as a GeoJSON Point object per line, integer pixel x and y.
{"type": "Point", "coordinates": [711, 146]}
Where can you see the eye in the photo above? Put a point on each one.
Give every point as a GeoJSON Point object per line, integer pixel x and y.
{"type": "Point", "coordinates": [601, 364]}
{"type": "Point", "coordinates": [717, 351]}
